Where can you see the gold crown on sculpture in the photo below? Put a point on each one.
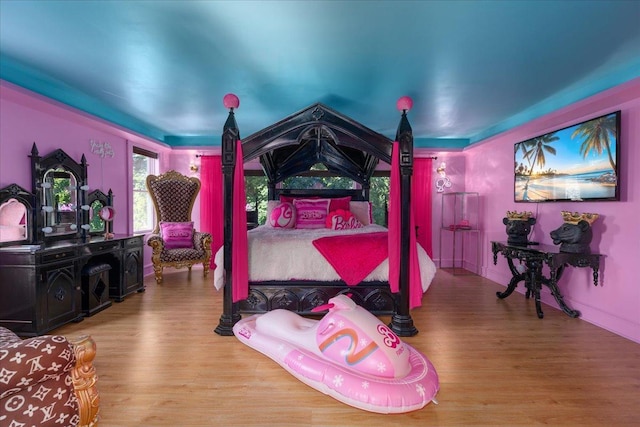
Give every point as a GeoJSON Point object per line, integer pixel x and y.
{"type": "Point", "coordinates": [518, 216]}
{"type": "Point", "coordinates": [575, 217]}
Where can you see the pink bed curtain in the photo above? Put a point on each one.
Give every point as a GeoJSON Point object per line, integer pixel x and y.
{"type": "Point", "coordinates": [240, 245]}
{"type": "Point", "coordinates": [415, 283]}
{"type": "Point", "coordinates": [421, 194]}
{"type": "Point", "coordinates": [211, 201]}
{"type": "Point", "coordinates": [212, 217]}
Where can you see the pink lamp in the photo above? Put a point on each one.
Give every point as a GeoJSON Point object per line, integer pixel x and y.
{"type": "Point", "coordinates": [405, 103]}
{"type": "Point", "coordinates": [230, 100]}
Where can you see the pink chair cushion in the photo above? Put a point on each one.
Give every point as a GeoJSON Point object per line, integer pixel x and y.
{"type": "Point", "coordinates": [283, 216]}
{"type": "Point", "coordinates": [311, 213]}
{"type": "Point", "coordinates": [176, 235]}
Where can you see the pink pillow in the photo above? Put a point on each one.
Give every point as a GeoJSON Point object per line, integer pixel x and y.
{"type": "Point", "coordinates": [340, 212]}
{"type": "Point", "coordinates": [176, 235]}
{"type": "Point", "coordinates": [311, 213]}
{"type": "Point", "coordinates": [362, 211]}
{"type": "Point", "coordinates": [283, 216]}
{"type": "Point", "coordinates": [339, 203]}
{"type": "Point", "coordinates": [342, 220]}
{"type": "Point", "coordinates": [287, 199]}
{"type": "Point", "coordinates": [334, 203]}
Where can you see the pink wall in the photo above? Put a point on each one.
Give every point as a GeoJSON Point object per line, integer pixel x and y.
{"type": "Point", "coordinates": [26, 118]}
{"type": "Point", "coordinates": [615, 303]}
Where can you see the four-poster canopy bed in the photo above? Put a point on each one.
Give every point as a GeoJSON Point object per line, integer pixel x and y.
{"type": "Point", "coordinates": [288, 148]}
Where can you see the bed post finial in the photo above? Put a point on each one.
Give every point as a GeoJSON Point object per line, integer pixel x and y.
{"type": "Point", "coordinates": [230, 134]}
{"type": "Point", "coordinates": [231, 101]}
{"type": "Point", "coordinates": [404, 135]}
{"type": "Point", "coordinates": [404, 104]}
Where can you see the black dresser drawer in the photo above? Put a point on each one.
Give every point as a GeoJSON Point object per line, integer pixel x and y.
{"type": "Point", "coordinates": [96, 248]}
{"type": "Point", "coordinates": [49, 257]}
{"type": "Point", "coordinates": [133, 242]}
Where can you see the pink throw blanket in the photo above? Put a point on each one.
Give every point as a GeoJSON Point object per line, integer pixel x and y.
{"type": "Point", "coordinates": [354, 256]}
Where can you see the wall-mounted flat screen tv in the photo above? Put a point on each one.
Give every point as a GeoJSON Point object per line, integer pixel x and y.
{"type": "Point", "coordinates": [578, 163]}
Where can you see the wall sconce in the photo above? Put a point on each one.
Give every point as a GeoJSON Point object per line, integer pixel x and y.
{"type": "Point", "coordinates": [194, 164]}
{"type": "Point", "coordinates": [443, 180]}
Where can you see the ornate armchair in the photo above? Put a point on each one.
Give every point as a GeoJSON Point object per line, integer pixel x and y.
{"type": "Point", "coordinates": [47, 381]}
{"type": "Point", "coordinates": [173, 196]}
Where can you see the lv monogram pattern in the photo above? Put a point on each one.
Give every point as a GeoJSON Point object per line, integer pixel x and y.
{"type": "Point", "coordinates": [174, 199]}
{"type": "Point", "coordinates": [36, 387]}
{"type": "Point", "coordinates": [183, 254]}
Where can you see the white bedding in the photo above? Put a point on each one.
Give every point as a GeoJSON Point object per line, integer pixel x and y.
{"type": "Point", "coordinates": [288, 254]}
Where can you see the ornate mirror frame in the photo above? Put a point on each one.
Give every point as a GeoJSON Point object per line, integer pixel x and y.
{"type": "Point", "coordinates": [105, 200]}
{"type": "Point", "coordinates": [27, 199]}
{"type": "Point", "coordinates": [58, 159]}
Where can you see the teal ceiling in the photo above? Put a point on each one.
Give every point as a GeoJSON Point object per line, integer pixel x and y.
{"type": "Point", "coordinates": [473, 68]}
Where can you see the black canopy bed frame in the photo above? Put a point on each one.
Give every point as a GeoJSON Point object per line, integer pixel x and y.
{"type": "Point", "coordinates": [290, 147]}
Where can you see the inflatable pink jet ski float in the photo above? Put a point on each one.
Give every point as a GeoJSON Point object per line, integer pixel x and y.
{"type": "Point", "coordinates": [348, 354]}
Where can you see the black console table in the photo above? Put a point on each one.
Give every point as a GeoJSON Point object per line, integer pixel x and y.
{"type": "Point", "coordinates": [534, 257]}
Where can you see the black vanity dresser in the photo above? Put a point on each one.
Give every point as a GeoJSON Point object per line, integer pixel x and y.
{"type": "Point", "coordinates": [41, 285]}
{"type": "Point", "coordinates": [46, 259]}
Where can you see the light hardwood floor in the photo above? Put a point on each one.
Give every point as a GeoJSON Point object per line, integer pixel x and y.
{"type": "Point", "coordinates": [160, 364]}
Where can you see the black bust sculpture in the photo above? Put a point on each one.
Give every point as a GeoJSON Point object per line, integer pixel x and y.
{"type": "Point", "coordinates": [575, 234]}
{"type": "Point", "coordinates": [518, 227]}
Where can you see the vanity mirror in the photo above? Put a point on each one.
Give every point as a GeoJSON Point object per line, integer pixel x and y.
{"type": "Point", "coordinates": [100, 207]}
{"type": "Point", "coordinates": [59, 201]}
{"type": "Point", "coordinates": [59, 184]}
{"type": "Point", "coordinates": [16, 206]}
{"type": "Point", "coordinates": [107, 214]}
